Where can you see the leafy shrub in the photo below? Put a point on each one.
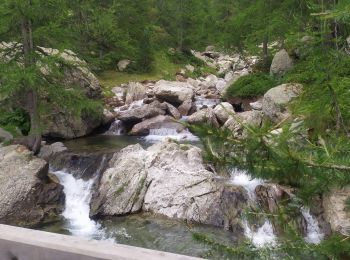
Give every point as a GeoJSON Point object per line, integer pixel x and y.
{"type": "Point", "coordinates": [185, 57]}
{"type": "Point", "coordinates": [326, 79]}
{"type": "Point", "coordinates": [252, 85]}
{"type": "Point", "coordinates": [15, 119]}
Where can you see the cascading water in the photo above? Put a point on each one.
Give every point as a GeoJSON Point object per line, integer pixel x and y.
{"type": "Point", "coordinates": [201, 102]}
{"type": "Point", "coordinates": [78, 196]}
{"type": "Point", "coordinates": [314, 234]}
{"type": "Point", "coordinates": [116, 128]}
{"type": "Point", "coordinates": [157, 135]}
{"type": "Point", "coordinates": [264, 235]}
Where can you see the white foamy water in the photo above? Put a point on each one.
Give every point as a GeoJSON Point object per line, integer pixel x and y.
{"type": "Point", "coordinates": [160, 134]}
{"type": "Point", "coordinates": [116, 128]}
{"type": "Point", "coordinates": [314, 234]}
{"type": "Point", "coordinates": [201, 102]}
{"type": "Point", "coordinates": [241, 178]}
{"type": "Point", "coordinates": [78, 196]}
{"type": "Point", "coordinates": [264, 235]}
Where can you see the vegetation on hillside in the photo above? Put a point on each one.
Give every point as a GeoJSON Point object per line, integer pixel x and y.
{"type": "Point", "coordinates": [252, 85]}
{"type": "Point", "coordinates": [310, 154]}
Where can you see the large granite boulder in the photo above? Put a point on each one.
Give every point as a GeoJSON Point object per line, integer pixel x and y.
{"type": "Point", "coordinates": [27, 193]}
{"type": "Point", "coordinates": [50, 151]}
{"type": "Point", "coordinates": [173, 92]}
{"type": "Point", "coordinates": [139, 113]}
{"type": "Point", "coordinates": [76, 74]}
{"type": "Point", "coordinates": [5, 136]}
{"type": "Point", "coordinates": [238, 122]}
{"type": "Point", "coordinates": [67, 125]}
{"type": "Point", "coordinates": [185, 107]}
{"type": "Point", "coordinates": [223, 111]}
{"type": "Point", "coordinates": [135, 91]}
{"type": "Point", "coordinates": [60, 122]}
{"type": "Point", "coordinates": [275, 101]}
{"type": "Point", "coordinates": [173, 111]}
{"type": "Point", "coordinates": [168, 179]}
{"type": "Point", "coordinates": [281, 63]}
{"type": "Point", "coordinates": [336, 211]}
{"type": "Point", "coordinates": [144, 127]}
{"type": "Point", "coordinates": [204, 116]}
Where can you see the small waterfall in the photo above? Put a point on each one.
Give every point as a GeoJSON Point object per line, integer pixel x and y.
{"type": "Point", "coordinates": [201, 102]}
{"type": "Point", "coordinates": [78, 196]}
{"type": "Point", "coordinates": [313, 234]}
{"type": "Point", "coordinates": [264, 235]}
{"type": "Point", "coordinates": [116, 128]}
{"type": "Point", "coordinates": [241, 178]}
{"type": "Point", "coordinates": [159, 134]}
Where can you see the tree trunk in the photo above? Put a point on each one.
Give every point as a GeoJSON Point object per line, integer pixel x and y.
{"type": "Point", "coordinates": [31, 95]}
{"type": "Point", "coordinates": [34, 138]}
{"type": "Point", "coordinates": [266, 53]}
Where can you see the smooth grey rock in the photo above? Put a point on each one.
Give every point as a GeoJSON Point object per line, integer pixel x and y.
{"type": "Point", "coordinates": [250, 118]}
{"type": "Point", "coordinates": [173, 92]}
{"type": "Point", "coordinates": [49, 151]}
{"type": "Point", "coordinates": [281, 63]}
{"type": "Point", "coordinates": [173, 111]}
{"type": "Point", "coordinates": [257, 105]}
{"type": "Point", "coordinates": [190, 68]}
{"type": "Point", "coordinates": [5, 135]}
{"type": "Point", "coordinates": [334, 204]}
{"type": "Point", "coordinates": [120, 92]}
{"type": "Point", "coordinates": [168, 179]}
{"type": "Point", "coordinates": [108, 117]}
{"type": "Point", "coordinates": [157, 122]}
{"type": "Point", "coordinates": [221, 85]}
{"type": "Point", "coordinates": [135, 91]}
{"type": "Point", "coordinates": [204, 116]}
{"type": "Point", "coordinates": [210, 48]}
{"type": "Point", "coordinates": [68, 125]}
{"type": "Point", "coordinates": [275, 101]}
{"type": "Point", "coordinates": [137, 114]}
{"type": "Point", "coordinates": [307, 39]}
{"type": "Point", "coordinates": [223, 111]}
{"type": "Point", "coordinates": [27, 195]}
{"type": "Point", "coordinates": [185, 107]}
{"type": "Point", "coordinates": [123, 64]}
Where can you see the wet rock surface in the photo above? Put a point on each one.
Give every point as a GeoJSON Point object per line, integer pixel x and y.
{"type": "Point", "coordinates": [27, 193]}
{"type": "Point", "coordinates": [168, 179]}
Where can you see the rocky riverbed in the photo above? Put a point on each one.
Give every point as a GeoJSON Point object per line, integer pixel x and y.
{"type": "Point", "coordinates": [148, 162]}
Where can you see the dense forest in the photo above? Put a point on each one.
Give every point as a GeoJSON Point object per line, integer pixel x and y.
{"type": "Point", "coordinates": [50, 52]}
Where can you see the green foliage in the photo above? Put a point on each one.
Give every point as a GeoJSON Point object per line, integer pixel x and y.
{"type": "Point", "coordinates": [313, 166]}
{"type": "Point", "coordinates": [325, 75]}
{"type": "Point", "coordinates": [335, 247]}
{"type": "Point", "coordinates": [15, 119]}
{"type": "Point", "coordinates": [252, 85]}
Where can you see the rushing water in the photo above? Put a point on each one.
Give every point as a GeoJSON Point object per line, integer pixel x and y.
{"type": "Point", "coordinates": [116, 128]}
{"type": "Point", "coordinates": [157, 135]}
{"type": "Point", "coordinates": [143, 230]}
{"type": "Point", "coordinates": [78, 195]}
{"type": "Point", "coordinates": [264, 235]}
{"type": "Point", "coordinates": [202, 102]}
{"type": "Point", "coordinates": [146, 230]}
{"type": "Point", "coordinates": [314, 234]}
